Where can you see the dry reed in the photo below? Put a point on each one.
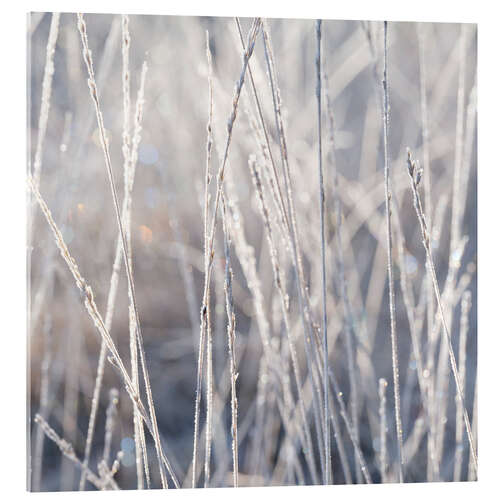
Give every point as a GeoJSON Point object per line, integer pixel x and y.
{"type": "Point", "coordinates": [392, 309]}
{"type": "Point", "coordinates": [415, 174]}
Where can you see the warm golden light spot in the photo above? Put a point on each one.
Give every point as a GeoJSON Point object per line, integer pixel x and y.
{"type": "Point", "coordinates": [146, 234]}
{"type": "Point", "coordinates": [81, 208]}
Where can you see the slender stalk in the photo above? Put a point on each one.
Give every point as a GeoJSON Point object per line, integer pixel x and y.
{"type": "Point", "coordinates": [415, 174]}
{"type": "Point", "coordinates": [409, 302]}
{"type": "Point", "coordinates": [326, 423]}
{"type": "Point", "coordinates": [293, 239]}
{"type": "Point", "coordinates": [392, 308]}
{"type": "Point", "coordinates": [87, 296]}
{"type": "Point", "coordinates": [246, 256]}
{"type": "Point", "coordinates": [471, 472]}
{"type": "Point", "coordinates": [267, 148]}
{"type": "Point", "coordinates": [208, 323]}
{"type": "Point", "coordinates": [457, 201]}
{"type": "Point", "coordinates": [284, 309]}
{"type": "Point", "coordinates": [231, 336]}
{"type": "Point", "coordinates": [220, 178]}
{"type": "Point", "coordinates": [432, 463]}
{"type": "Point", "coordinates": [162, 459]}
{"type": "Point", "coordinates": [129, 174]}
{"type": "Point", "coordinates": [128, 183]}
{"type": "Point", "coordinates": [346, 303]}
{"type": "Point", "coordinates": [141, 454]}
{"type": "Point", "coordinates": [462, 367]}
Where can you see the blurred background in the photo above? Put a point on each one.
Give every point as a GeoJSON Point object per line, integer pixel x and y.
{"type": "Point", "coordinates": [167, 235]}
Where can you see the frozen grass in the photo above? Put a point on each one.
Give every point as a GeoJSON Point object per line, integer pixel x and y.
{"type": "Point", "coordinates": [304, 258]}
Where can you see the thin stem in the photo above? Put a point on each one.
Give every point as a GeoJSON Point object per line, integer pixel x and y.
{"type": "Point", "coordinates": [162, 459]}
{"type": "Point", "coordinates": [208, 427]}
{"type": "Point", "coordinates": [129, 174]}
{"type": "Point", "coordinates": [293, 238]}
{"type": "Point", "coordinates": [220, 178]}
{"type": "Point", "coordinates": [462, 367]}
{"type": "Point", "coordinates": [231, 336]}
{"type": "Point", "coordinates": [415, 174]}
{"type": "Point", "coordinates": [346, 303]}
{"type": "Point", "coordinates": [392, 308]}
{"type": "Point", "coordinates": [284, 308]}
{"type": "Point", "coordinates": [269, 153]}
{"type": "Point", "coordinates": [326, 423]}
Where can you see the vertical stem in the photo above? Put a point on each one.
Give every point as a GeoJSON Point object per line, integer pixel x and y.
{"type": "Point", "coordinates": [394, 341]}
{"type": "Point", "coordinates": [231, 335]}
{"type": "Point", "coordinates": [220, 178]}
{"type": "Point", "coordinates": [162, 459]}
{"type": "Point", "coordinates": [432, 463]}
{"type": "Point", "coordinates": [208, 433]}
{"type": "Point", "coordinates": [326, 423]}
{"type": "Point", "coordinates": [462, 366]}
{"type": "Point", "coordinates": [415, 174]}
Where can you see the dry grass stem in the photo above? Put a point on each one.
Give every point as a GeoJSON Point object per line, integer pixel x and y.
{"type": "Point", "coordinates": [326, 408]}
{"type": "Point", "coordinates": [162, 459]}
{"type": "Point", "coordinates": [208, 322]}
{"type": "Point", "coordinates": [462, 351]}
{"type": "Point", "coordinates": [210, 251]}
{"type": "Point", "coordinates": [415, 174]}
{"type": "Point", "coordinates": [231, 337]}
{"type": "Point", "coordinates": [392, 308]}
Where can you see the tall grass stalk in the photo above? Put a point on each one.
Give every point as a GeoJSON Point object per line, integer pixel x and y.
{"type": "Point", "coordinates": [415, 174]}
{"type": "Point", "coordinates": [432, 463]}
{"type": "Point", "coordinates": [462, 367]}
{"type": "Point", "coordinates": [267, 151]}
{"type": "Point", "coordinates": [392, 308]}
{"type": "Point", "coordinates": [88, 300]}
{"type": "Point", "coordinates": [326, 423]}
{"type": "Point", "coordinates": [278, 280]}
{"type": "Point", "coordinates": [346, 303]}
{"type": "Point", "coordinates": [208, 322]}
{"type": "Point", "coordinates": [128, 177]}
{"type": "Point", "coordinates": [129, 174]}
{"type": "Point", "coordinates": [231, 337]}
{"type": "Point", "coordinates": [471, 471]}
{"type": "Point", "coordinates": [457, 200]}
{"type": "Point", "coordinates": [415, 332]}
{"type": "Point", "coordinates": [246, 255]}
{"type": "Point", "coordinates": [220, 178]}
{"type": "Point", "coordinates": [293, 238]}
{"type": "Point", "coordinates": [105, 147]}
